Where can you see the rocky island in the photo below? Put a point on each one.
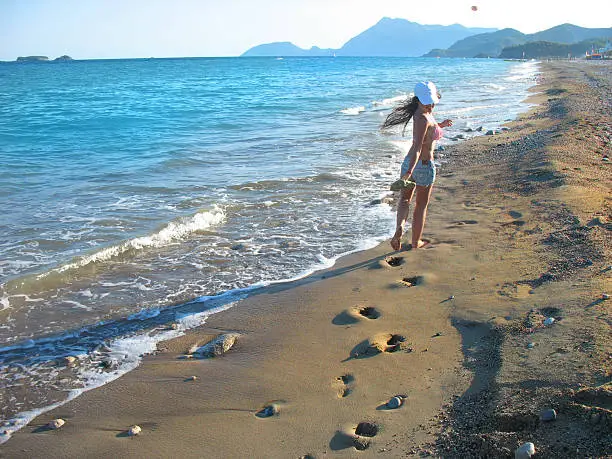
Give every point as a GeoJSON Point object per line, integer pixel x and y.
{"type": "Point", "coordinates": [32, 59]}
{"type": "Point", "coordinates": [42, 59]}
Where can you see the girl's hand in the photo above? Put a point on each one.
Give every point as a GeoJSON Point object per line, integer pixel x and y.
{"type": "Point", "coordinates": [446, 123]}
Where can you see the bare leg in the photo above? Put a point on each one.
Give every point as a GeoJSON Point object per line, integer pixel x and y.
{"type": "Point", "coordinates": [420, 213]}
{"type": "Point", "coordinates": [403, 207]}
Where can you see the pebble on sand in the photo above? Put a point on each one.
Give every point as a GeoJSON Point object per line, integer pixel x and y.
{"type": "Point", "coordinates": [525, 451]}
{"type": "Point", "coordinates": [267, 411]}
{"type": "Point", "coordinates": [217, 346]}
{"type": "Point", "coordinates": [361, 443]}
{"type": "Point", "coordinates": [56, 424]}
{"type": "Point", "coordinates": [548, 415]}
{"type": "Point", "coordinates": [395, 402]}
{"type": "Point", "coordinates": [134, 430]}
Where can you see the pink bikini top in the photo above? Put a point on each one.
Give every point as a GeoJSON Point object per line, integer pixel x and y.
{"type": "Point", "coordinates": [438, 133]}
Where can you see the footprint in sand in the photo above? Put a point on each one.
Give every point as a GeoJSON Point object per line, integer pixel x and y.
{"type": "Point", "coordinates": [411, 281]}
{"type": "Point", "coordinates": [514, 290]}
{"type": "Point", "coordinates": [356, 314]}
{"type": "Point", "coordinates": [343, 385]}
{"type": "Point", "coordinates": [459, 223]}
{"type": "Point", "coordinates": [392, 262]}
{"type": "Point", "coordinates": [383, 342]}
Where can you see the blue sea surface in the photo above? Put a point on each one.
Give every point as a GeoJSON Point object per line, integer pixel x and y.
{"type": "Point", "coordinates": [132, 188]}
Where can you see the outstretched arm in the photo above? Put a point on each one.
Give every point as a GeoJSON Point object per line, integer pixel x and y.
{"type": "Point", "coordinates": [446, 123]}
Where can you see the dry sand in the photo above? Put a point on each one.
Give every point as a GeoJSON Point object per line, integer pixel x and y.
{"type": "Point", "coordinates": [520, 229]}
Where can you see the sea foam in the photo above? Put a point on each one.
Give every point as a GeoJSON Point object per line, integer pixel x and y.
{"type": "Point", "coordinates": [175, 230]}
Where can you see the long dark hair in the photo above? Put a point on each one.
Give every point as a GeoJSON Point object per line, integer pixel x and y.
{"type": "Point", "coordinates": [401, 114]}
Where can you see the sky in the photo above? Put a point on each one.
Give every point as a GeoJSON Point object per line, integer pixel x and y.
{"type": "Point", "coordinates": [102, 29]}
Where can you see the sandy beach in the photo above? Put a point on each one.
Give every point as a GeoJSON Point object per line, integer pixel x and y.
{"type": "Point", "coordinates": [460, 331]}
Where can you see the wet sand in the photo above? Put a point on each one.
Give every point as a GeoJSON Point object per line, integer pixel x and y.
{"type": "Point", "coordinates": [519, 226]}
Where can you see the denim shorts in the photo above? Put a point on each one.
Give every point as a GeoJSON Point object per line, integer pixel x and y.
{"type": "Point", "coordinates": [423, 174]}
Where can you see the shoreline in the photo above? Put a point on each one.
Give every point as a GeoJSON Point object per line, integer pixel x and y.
{"type": "Point", "coordinates": [297, 357]}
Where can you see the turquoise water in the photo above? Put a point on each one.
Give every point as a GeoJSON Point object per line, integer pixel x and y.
{"type": "Point", "coordinates": [132, 187]}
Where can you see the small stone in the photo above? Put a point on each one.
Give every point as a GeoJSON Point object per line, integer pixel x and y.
{"type": "Point", "coordinates": [134, 430]}
{"type": "Point", "coordinates": [549, 321]}
{"type": "Point", "coordinates": [548, 415]}
{"type": "Point", "coordinates": [395, 402]}
{"type": "Point", "coordinates": [525, 451]}
{"type": "Point", "coordinates": [266, 412]}
{"type": "Point", "coordinates": [56, 424]}
{"type": "Point", "coordinates": [361, 443]}
{"type": "Point", "coordinates": [217, 346]}
{"type": "Point", "coordinates": [108, 364]}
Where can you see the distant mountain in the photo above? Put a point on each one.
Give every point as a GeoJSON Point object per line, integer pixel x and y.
{"type": "Point", "coordinates": [286, 48]}
{"type": "Point", "coordinates": [488, 44]}
{"type": "Point", "coordinates": [389, 37]}
{"type": "Point", "coordinates": [568, 34]}
{"type": "Point", "coordinates": [492, 44]}
{"type": "Point", "coordinates": [399, 37]}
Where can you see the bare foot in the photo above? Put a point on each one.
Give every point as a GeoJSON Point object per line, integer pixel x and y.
{"type": "Point", "coordinates": [420, 244]}
{"type": "Point", "coordinates": [396, 241]}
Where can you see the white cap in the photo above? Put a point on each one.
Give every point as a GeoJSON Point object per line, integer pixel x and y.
{"type": "Point", "coordinates": [426, 92]}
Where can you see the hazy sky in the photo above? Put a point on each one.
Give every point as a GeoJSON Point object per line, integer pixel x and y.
{"type": "Point", "coordinates": [86, 29]}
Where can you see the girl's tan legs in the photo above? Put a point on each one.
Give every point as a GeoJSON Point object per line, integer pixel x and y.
{"type": "Point", "coordinates": [420, 213]}
{"type": "Point", "coordinates": [403, 207]}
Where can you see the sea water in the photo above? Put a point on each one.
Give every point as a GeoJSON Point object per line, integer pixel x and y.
{"type": "Point", "coordinates": [137, 194]}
